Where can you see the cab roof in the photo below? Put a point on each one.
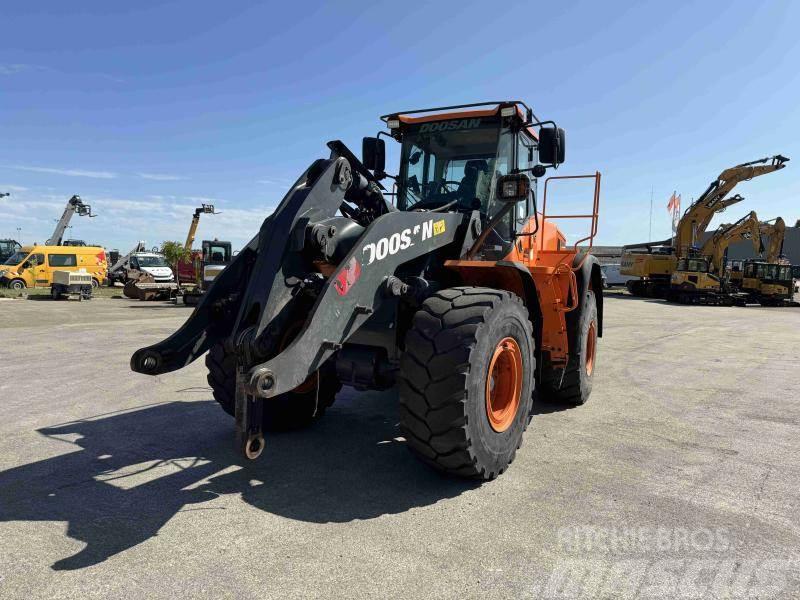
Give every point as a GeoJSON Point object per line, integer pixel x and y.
{"type": "Point", "coordinates": [462, 111]}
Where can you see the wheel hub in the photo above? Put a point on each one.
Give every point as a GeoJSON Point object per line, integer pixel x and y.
{"type": "Point", "coordinates": [504, 384]}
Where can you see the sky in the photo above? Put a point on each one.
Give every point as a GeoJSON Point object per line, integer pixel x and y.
{"type": "Point", "coordinates": [147, 109]}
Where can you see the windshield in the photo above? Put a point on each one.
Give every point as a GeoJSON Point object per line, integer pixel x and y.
{"type": "Point", "coordinates": [697, 265]}
{"type": "Point", "coordinates": [151, 261]}
{"type": "Point", "coordinates": [768, 272]}
{"type": "Point", "coordinates": [16, 258]}
{"type": "Point", "coordinates": [454, 162]}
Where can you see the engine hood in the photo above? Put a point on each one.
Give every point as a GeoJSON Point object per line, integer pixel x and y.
{"type": "Point", "coordinates": [159, 272]}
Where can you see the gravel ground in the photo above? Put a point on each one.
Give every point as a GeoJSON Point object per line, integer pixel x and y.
{"type": "Point", "coordinates": [679, 478]}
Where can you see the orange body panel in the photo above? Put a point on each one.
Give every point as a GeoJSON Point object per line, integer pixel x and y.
{"type": "Point", "coordinates": [552, 266]}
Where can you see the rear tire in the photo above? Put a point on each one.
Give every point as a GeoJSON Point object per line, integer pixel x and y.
{"type": "Point", "coordinates": [291, 410]}
{"type": "Point", "coordinates": [575, 386]}
{"type": "Point", "coordinates": [466, 381]}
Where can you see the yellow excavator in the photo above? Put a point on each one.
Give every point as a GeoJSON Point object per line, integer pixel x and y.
{"type": "Point", "coordinates": [698, 276]}
{"type": "Point", "coordinates": [770, 282]}
{"type": "Point", "coordinates": [653, 263]}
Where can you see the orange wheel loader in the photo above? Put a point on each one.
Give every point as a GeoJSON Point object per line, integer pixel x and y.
{"type": "Point", "coordinates": [458, 288]}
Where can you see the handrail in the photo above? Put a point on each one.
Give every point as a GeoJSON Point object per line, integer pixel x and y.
{"type": "Point", "coordinates": [594, 216]}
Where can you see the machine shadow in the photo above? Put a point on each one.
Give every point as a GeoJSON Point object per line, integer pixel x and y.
{"type": "Point", "coordinates": [133, 471]}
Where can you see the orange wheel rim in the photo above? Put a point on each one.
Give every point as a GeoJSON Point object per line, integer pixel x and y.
{"type": "Point", "coordinates": [591, 347]}
{"type": "Point", "coordinates": [504, 384]}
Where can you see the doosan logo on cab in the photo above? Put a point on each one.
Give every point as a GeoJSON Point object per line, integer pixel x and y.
{"type": "Point", "coordinates": [450, 125]}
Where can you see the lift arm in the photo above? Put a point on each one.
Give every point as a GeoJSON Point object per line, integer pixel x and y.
{"type": "Point", "coordinates": [775, 230]}
{"type": "Point", "coordinates": [139, 247]}
{"type": "Point", "coordinates": [204, 209]}
{"type": "Point", "coordinates": [748, 227]}
{"type": "Point", "coordinates": [699, 214]}
{"type": "Point", "coordinates": [74, 205]}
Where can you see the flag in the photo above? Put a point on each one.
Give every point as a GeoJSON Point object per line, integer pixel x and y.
{"type": "Point", "coordinates": [673, 203]}
{"type": "Point", "coordinates": [674, 208]}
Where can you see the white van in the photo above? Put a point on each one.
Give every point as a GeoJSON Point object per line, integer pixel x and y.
{"type": "Point", "coordinates": [612, 275]}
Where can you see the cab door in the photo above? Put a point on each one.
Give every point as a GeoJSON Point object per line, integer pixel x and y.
{"type": "Point", "coordinates": [41, 274]}
{"type": "Point", "coordinates": [525, 223]}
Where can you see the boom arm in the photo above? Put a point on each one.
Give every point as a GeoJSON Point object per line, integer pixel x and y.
{"type": "Point", "coordinates": [205, 208]}
{"type": "Point", "coordinates": [74, 205]}
{"type": "Point", "coordinates": [698, 215]}
{"type": "Point", "coordinates": [139, 247]}
{"type": "Point", "coordinates": [775, 232]}
{"type": "Point", "coordinates": [747, 227]}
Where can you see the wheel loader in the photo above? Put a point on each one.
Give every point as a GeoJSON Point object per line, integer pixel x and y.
{"type": "Point", "coordinates": [458, 288]}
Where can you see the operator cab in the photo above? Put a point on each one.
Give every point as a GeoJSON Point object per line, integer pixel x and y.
{"type": "Point", "coordinates": [456, 159]}
{"type": "Point", "coordinates": [695, 264]}
{"type": "Point", "coordinates": [771, 273]}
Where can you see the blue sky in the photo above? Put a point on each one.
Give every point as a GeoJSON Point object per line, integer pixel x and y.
{"type": "Point", "coordinates": [145, 109]}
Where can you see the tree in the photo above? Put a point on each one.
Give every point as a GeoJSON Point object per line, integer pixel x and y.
{"type": "Point", "coordinates": [175, 253]}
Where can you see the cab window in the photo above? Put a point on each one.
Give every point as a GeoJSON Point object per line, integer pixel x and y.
{"type": "Point", "coordinates": [216, 253]}
{"type": "Point", "coordinates": [62, 260]}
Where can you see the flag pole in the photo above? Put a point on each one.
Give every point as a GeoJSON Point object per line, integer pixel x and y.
{"type": "Point", "coordinates": [650, 234]}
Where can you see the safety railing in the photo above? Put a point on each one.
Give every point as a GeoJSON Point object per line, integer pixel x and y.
{"type": "Point", "coordinates": [594, 215]}
{"type": "Point", "coordinates": [561, 267]}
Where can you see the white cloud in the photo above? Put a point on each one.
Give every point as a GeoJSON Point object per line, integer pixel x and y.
{"type": "Point", "coordinates": [276, 181]}
{"type": "Point", "coordinates": [5, 187]}
{"type": "Point", "coordinates": [14, 68]}
{"type": "Point", "coordinates": [161, 177]}
{"type": "Point", "coordinates": [67, 172]}
{"type": "Point", "coordinates": [202, 199]}
{"type": "Point", "coordinates": [122, 221]}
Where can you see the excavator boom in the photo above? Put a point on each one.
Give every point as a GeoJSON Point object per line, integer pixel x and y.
{"type": "Point", "coordinates": [775, 231]}
{"type": "Point", "coordinates": [699, 214]}
{"type": "Point", "coordinates": [748, 227]}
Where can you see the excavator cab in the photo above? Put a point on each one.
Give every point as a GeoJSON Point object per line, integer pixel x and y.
{"type": "Point", "coordinates": [770, 284]}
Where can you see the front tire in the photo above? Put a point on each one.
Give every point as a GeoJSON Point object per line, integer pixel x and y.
{"type": "Point", "coordinates": [466, 381]}
{"type": "Point", "coordinates": [17, 285]}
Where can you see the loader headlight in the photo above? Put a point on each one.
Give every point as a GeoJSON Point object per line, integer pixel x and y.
{"type": "Point", "coordinates": [393, 123]}
{"type": "Point", "coordinates": [508, 111]}
{"type": "Point", "coordinates": [514, 187]}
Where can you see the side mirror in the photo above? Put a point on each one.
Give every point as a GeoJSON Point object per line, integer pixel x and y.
{"type": "Point", "coordinates": [25, 265]}
{"type": "Point", "coordinates": [513, 188]}
{"type": "Point", "coordinates": [552, 142]}
{"type": "Point", "coordinates": [373, 152]}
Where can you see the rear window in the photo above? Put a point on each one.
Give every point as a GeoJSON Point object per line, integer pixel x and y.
{"type": "Point", "coordinates": [62, 260]}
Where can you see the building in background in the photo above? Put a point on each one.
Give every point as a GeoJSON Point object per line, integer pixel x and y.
{"type": "Point", "coordinates": [744, 249]}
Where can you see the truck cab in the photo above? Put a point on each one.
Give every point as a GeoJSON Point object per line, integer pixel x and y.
{"type": "Point", "coordinates": [153, 264]}
{"type": "Point", "coordinates": [7, 248]}
{"type": "Point", "coordinates": [216, 256]}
